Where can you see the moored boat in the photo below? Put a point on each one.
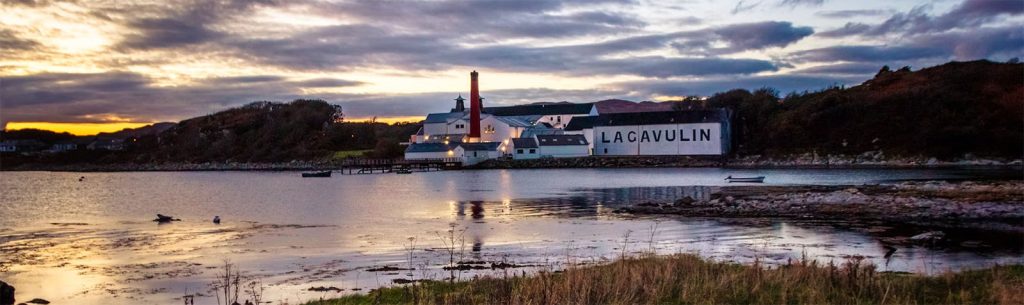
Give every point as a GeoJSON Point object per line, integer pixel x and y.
{"type": "Point", "coordinates": [758, 179]}
{"type": "Point", "coordinates": [322, 174]}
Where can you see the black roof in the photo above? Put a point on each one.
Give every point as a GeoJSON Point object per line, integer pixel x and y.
{"type": "Point", "coordinates": [430, 147]}
{"type": "Point", "coordinates": [542, 109]}
{"type": "Point", "coordinates": [562, 140]}
{"type": "Point", "coordinates": [661, 117]}
{"type": "Point", "coordinates": [580, 123]}
{"type": "Point", "coordinates": [524, 143]}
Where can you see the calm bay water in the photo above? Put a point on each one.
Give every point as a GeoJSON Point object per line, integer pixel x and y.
{"type": "Point", "coordinates": [91, 241]}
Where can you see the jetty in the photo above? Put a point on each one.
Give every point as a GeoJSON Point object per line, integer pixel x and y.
{"type": "Point", "coordinates": [372, 166]}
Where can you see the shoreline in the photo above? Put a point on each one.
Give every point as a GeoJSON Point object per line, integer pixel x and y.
{"type": "Point", "coordinates": [566, 163]}
{"type": "Point", "coordinates": [996, 205]}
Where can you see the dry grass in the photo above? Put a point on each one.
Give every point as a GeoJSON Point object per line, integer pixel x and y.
{"type": "Point", "coordinates": [687, 279]}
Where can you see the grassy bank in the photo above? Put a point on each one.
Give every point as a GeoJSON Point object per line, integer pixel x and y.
{"type": "Point", "coordinates": [687, 279]}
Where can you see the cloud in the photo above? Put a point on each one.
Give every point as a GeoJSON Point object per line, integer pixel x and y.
{"type": "Point", "coordinates": [969, 14]}
{"type": "Point", "coordinates": [760, 35]}
{"type": "Point", "coordinates": [851, 13]}
{"type": "Point", "coordinates": [844, 68]}
{"type": "Point", "coordinates": [11, 42]}
{"type": "Point", "coordinates": [960, 45]}
{"type": "Point", "coordinates": [802, 2]}
{"type": "Point", "coordinates": [74, 97]}
{"type": "Point", "coordinates": [743, 6]}
{"type": "Point", "coordinates": [706, 87]}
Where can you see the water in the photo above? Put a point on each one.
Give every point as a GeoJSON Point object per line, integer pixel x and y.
{"type": "Point", "coordinates": [92, 241]}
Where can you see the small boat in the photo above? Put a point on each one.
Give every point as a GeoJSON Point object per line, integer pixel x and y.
{"type": "Point", "coordinates": [403, 171]}
{"type": "Point", "coordinates": [323, 174]}
{"type": "Point", "coordinates": [758, 179]}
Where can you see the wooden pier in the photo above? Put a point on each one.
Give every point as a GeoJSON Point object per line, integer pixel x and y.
{"type": "Point", "coordinates": [371, 166]}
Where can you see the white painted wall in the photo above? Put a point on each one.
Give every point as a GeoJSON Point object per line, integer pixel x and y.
{"type": "Point", "coordinates": [564, 151]}
{"type": "Point", "coordinates": [668, 139]}
{"type": "Point", "coordinates": [502, 131]}
{"type": "Point", "coordinates": [474, 157]}
{"type": "Point", "coordinates": [428, 155]}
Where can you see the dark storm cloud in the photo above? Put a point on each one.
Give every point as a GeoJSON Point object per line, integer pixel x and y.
{"type": "Point", "coordinates": [705, 87]}
{"type": "Point", "coordinates": [760, 35]}
{"type": "Point", "coordinates": [69, 97]}
{"type": "Point", "coordinates": [960, 45]}
{"type": "Point", "coordinates": [187, 23]}
{"type": "Point", "coordinates": [970, 13]}
{"type": "Point", "coordinates": [491, 19]}
{"type": "Point", "coordinates": [662, 67]}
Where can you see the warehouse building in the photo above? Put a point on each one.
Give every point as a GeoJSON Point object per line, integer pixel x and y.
{"type": "Point", "coordinates": [696, 132]}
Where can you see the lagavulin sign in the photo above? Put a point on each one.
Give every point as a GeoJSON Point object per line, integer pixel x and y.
{"type": "Point", "coordinates": [663, 139]}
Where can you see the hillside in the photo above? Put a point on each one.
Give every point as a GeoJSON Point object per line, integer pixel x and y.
{"type": "Point", "coordinates": [273, 132]}
{"type": "Point", "coordinates": [945, 111]}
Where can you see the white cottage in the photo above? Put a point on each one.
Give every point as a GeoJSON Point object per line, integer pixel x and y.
{"type": "Point", "coordinates": [473, 153]}
{"type": "Point", "coordinates": [525, 149]}
{"type": "Point", "coordinates": [563, 146]}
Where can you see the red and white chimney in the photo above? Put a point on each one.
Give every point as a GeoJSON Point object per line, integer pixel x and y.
{"type": "Point", "coordinates": [474, 108]}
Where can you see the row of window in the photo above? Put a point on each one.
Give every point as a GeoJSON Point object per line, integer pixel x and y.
{"type": "Point", "coordinates": [532, 151]}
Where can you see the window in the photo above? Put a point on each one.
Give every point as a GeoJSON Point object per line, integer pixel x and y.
{"type": "Point", "coordinates": [474, 154]}
{"type": "Point", "coordinates": [606, 151]}
{"type": "Point", "coordinates": [519, 151]}
{"type": "Point", "coordinates": [559, 119]}
{"type": "Point", "coordinates": [533, 151]}
{"type": "Point", "coordinates": [489, 129]}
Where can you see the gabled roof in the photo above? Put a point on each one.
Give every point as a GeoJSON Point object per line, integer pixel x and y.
{"type": "Point", "coordinates": [562, 140]}
{"type": "Point", "coordinates": [514, 121]}
{"type": "Point", "coordinates": [442, 117]}
{"type": "Point", "coordinates": [539, 129]}
{"type": "Point", "coordinates": [524, 142]}
{"type": "Point", "coordinates": [481, 146]}
{"type": "Point", "coordinates": [541, 109]}
{"type": "Point", "coordinates": [430, 147]}
{"type": "Point", "coordinates": [662, 117]}
{"type": "Point", "coordinates": [580, 123]}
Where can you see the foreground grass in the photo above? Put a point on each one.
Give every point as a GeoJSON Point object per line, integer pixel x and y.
{"type": "Point", "coordinates": [687, 279]}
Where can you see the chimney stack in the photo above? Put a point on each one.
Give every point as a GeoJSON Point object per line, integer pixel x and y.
{"type": "Point", "coordinates": [474, 108]}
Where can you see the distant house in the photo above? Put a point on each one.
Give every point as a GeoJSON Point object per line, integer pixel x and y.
{"type": "Point", "coordinates": [106, 144]}
{"type": "Point", "coordinates": [473, 153]}
{"type": "Point", "coordinates": [563, 146]}
{"type": "Point", "coordinates": [22, 146]}
{"type": "Point", "coordinates": [525, 148]}
{"type": "Point", "coordinates": [63, 146]}
{"type": "Point", "coordinates": [8, 146]}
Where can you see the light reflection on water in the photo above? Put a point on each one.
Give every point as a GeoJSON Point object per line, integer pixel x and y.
{"type": "Point", "coordinates": [298, 233]}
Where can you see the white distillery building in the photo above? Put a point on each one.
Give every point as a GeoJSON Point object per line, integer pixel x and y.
{"type": "Point", "coordinates": [495, 125]}
{"type": "Point", "coordinates": [696, 132]}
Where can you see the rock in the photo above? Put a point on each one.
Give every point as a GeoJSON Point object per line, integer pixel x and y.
{"type": "Point", "coordinates": [928, 236]}
{"type": "Point", "coordinates": [6, 294]}
{"type": "Point", "coordinates": [39, 301]}
{"type": "Point", "coordinates": [685, 201]}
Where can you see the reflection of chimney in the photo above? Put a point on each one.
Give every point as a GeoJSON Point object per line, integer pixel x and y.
{"type": "Point", "coordinates": [474, 108]}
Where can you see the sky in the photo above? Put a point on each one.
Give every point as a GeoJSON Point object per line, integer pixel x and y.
{"type": "Point", "coordinates": [89, 66]}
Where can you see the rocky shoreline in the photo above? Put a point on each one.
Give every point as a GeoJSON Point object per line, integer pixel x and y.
{"type": "Point", "coordinates": [989, 205]}
{"type": "Point", "coordinates": [869, 160]}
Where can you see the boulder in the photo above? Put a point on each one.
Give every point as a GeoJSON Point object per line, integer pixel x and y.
{"type": "Point", "coordinates": [928, 236]}
{"type": "Point", "coordinates": [6, 294]}
{"type": "Point", "coordinates": [685, 201]}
